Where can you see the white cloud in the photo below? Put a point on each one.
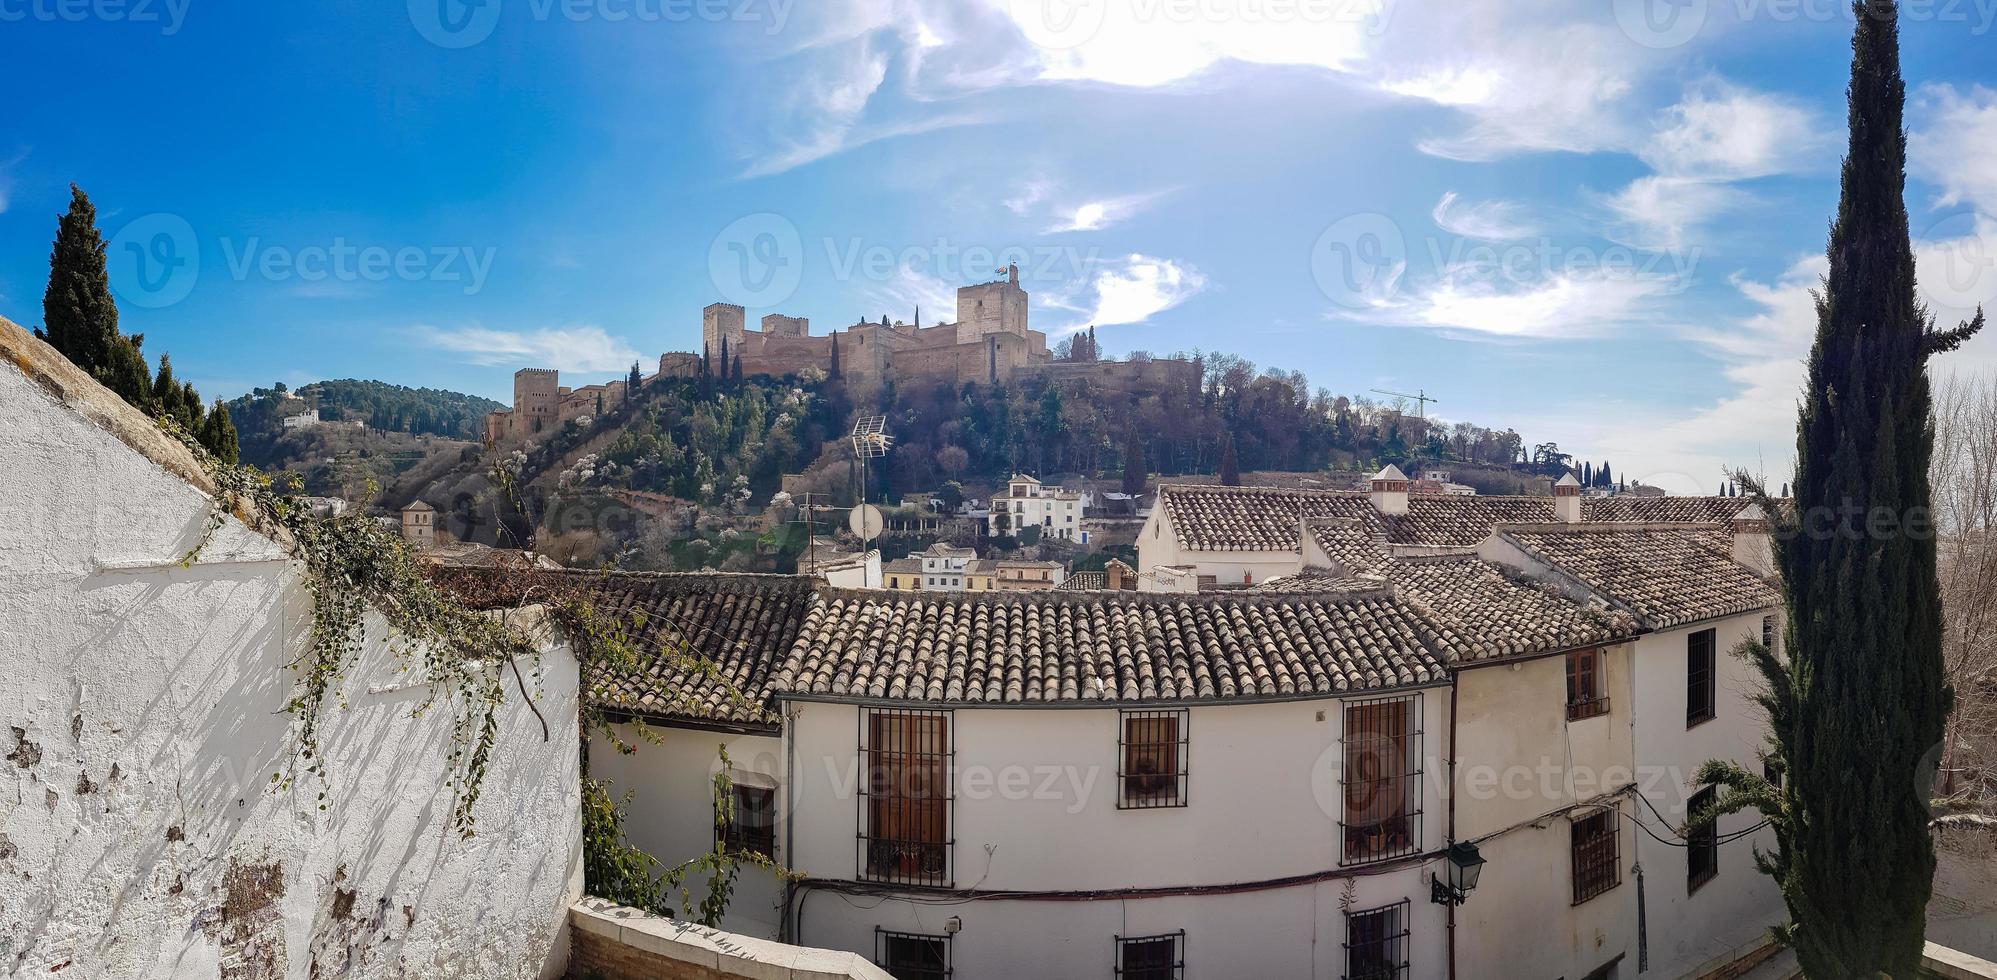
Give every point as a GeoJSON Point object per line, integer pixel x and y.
{"type": "Point", "coordinates": [579, 348]}
{"type": "Point", "coordinates": [1659, 213]}
{"type": "Point", "coordinates": [1956, 144]}
{"type": "Point", "coordinates": [1721, 131]}
{"type": "Point", "coordinates": [1146, 43]}
{"type": "Point", "coordinates": [1488, 220]}
{"type": "Point", "coordinates": [1472, 302]}
{"type": "Point", "coordinates": [1129, 290]}
{"type": "Point", "coordinates": [1097, 215]}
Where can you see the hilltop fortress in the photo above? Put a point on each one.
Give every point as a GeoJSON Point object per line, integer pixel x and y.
{"type": "Point", "coordinates": [990, 342]}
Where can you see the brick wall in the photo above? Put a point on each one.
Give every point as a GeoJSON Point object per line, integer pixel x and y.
{"type": "Point", "coordinates": [612, 942]}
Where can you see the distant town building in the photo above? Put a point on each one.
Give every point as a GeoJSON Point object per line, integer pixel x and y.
{"type": "Point", "coordinates": [419, 526]}
{"type": "Point", "coordinates": [1027, 503]}
{"type": "Point", "coordinates": [303, 420]}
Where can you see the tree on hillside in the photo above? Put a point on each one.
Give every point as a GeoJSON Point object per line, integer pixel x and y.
{"type": "Point", "coordinates": [79, 317]}
{"type": "Point", "coordinates": [218, 434]}
{"type": "Point", "coordinates": [1133, 463]}
{"type": "Point", "coordinates": [832, 372]}
{"type": "Point", "coordinates": [634, 382]}
{"type": "Point", "coordinates": [1230, 467]}
{"type": "Point", "coordinates": [1856, 713]}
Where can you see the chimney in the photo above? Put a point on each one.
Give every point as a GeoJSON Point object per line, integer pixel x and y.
{"type": "Point", "coordinates": [1752, 546]}
{"type": "Point", "coordinates": [1390, 490]}
{"type": "Point", "coordinates": [1567, 500]}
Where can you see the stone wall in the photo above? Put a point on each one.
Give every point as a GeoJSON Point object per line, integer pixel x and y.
{"type": "Point", "coordinates": [612, 942]}
{"type": "Point", "coordinates": [144, 717]}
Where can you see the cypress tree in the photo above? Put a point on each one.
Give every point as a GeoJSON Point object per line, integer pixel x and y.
{"type": "Point", "coordinates": [1133, 463]}
{"type": "Point", "coordinates": [1230, 467]}
{"type": "Point", "coordinates": [833, 371]}
{"type": "Point", "coordinates": [1861, 700]}
{"type": "Point", "coordinates": [79, 317]}
{"type": "Point", "coordinates": [738, 367]}
{"type": "Point", "coordinates": [218, 434]}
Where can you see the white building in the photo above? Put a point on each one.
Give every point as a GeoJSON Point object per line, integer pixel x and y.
{"type": "Point", "coordinates": [146, 711]}
{"type": "Point", "coordinates": [1027, 503]}
{"type": "Point", "coordinates": [943, 567]}
{"type": "Point", "coordinates": [303, 420]}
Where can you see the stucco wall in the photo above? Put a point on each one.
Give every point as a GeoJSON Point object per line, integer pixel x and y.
{"type": "Point", "coordinates": [143, 719]}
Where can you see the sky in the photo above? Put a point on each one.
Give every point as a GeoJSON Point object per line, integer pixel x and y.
{"type": "Point", "coordinates": [1595, 221]}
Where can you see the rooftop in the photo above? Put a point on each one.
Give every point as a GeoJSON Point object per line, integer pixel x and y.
{"type": "Point", "coordinates": [1666, 575]}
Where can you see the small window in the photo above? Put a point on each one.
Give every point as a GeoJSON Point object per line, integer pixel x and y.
{"type": "Point", "coordinates": [1151, 957]}
{"type": "Point", "coordinates": [1597, 854]}
{"type": "Point", "coordinates": [1585, 697]}
{"type": "Point", "coordinates": [1376, 943]}
{"type": "Point", "coordinates": [1702, 846]}
{"type": "Point", "coordinates": [1768, 634]}
{"type": "Point", "coordinates": [750, 824]}
{"type": "Point", "coordinates": [1153, 759]}
{"type": "Point", "coordinates": [1700, 681]}
{"type": "Point", "coordinates": [912, 956]}
{"type": "Point", "coordinates": [1771, 770]}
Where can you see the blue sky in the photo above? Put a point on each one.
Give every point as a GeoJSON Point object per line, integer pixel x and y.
{"type": "Point", "coordinates": [1596, 222]}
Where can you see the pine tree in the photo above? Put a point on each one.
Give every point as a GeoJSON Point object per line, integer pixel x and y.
{"type": "Point", "coordinates": [1861, 697]}
{"type": "Point", "coordinates": [218, 434]}
{"type": "Point", "coordinates": [1230, 467]}
{"type": "Point", "coordinates": [79, 317]}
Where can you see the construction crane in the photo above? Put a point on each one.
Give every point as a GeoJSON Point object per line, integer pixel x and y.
{"type": "Point", "coordinates": [1420, 398]}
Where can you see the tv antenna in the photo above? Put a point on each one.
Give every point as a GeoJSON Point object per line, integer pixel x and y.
{"type": "Point", "coordinates": [870, 441]}
{"type": "Point", "coordinates": [1420, 398]}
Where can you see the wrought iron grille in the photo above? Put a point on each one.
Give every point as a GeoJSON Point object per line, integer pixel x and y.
{"type": "Point", "coordinates": [1151, 759]}
{"type": "Point", "coordinates": [1702, 846]}
{"type": "Point", "coordinates": [749, 824]}
{"type": "Point", "coordinates": [911, 955]}
{"type": "Point", "coordinates": [1699, 682]}
{"type": "Point", "coordinates": [1376, 943]}
{"type": "Point", "coordinates": [1584, 685]}
{"type": "Point", "coordinates": [907, 758]}
{"type": "Point", "coordinates": [1381, 779]}
{"type": "Point", "coordinates": [1597, 854]}
{"type": "Point", "coordinates": [1151, 957]}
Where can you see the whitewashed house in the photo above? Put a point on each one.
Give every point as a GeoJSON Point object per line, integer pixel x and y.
{"type": "Point", "coordinates": [943, 567]}
{"type": "Point", "coordinates": [1026, 503]}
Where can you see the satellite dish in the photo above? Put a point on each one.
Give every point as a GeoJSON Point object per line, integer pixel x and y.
{"type": "Point", "coordinates": [865, 522]}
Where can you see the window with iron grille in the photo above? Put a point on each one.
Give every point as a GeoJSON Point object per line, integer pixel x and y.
{"type": "Point", "coordinates": [1381, 779]}
{"type": "Point", "coordinates": [1151, 957]}
{"type": "Point", "coordinates": [912, 956]}
{"type": "Point", "coordinates": [906, 797]}
{"type": "Point", "coordinates": [1700, 687]}
{"type": "Point", "coordinates": [1702, 846]}
{"type": "Point", "coordinates": [749, 823]}
{"type": "Point", "coordinates": [1597, 854]}
{"type": "Point", "coordinates": [1771, 770]}
{"type": "Point", "coordinates": [1152, 759]}
{"type": "Point", "coordinates": [1585, 696]}
{"type": "Point", "coordinates": [1376, 943]}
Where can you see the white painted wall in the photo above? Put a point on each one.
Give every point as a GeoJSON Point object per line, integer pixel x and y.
{"type": "Point", "coordinates": [671, 813]}
{"type": "Point", "coordinates": [1521, 767]}
{"type": "Point", "coordinates": [142, 834]}
{"type": "Point", "coordinates": [1688, 929]}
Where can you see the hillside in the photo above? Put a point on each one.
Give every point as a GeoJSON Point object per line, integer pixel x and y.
{"type": "Point", "coordinates": [368, 431]}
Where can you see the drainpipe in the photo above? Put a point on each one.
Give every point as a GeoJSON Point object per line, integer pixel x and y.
{"type": "Point", "coordinates": [789, 717]}
{"type": "Point", "coordinates": [1449, 910]}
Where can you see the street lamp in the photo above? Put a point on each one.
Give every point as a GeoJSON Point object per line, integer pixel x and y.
{"type": "Point", "coordinates": [1464, 865]}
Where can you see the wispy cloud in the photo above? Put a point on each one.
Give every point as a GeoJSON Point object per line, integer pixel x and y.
{"type": "Point", "coordinates": [1722, 131]}
{"type": "Point", "coordinates": [1472, 303]}
{"type": "Point", "coordinates": [578, 348]}
{"type": "Point", "coordinates": [1097, 215]}
{"type": "Point", "coordinates": [1130, 289]}
{"type": "Point", "coordinates": [1488, 220]}
{"type": "Point", "coordinates": [1660, 213]}
{"type": "Point", "coordinates": [1955, 145]}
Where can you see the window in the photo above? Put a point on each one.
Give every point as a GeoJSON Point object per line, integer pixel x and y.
{"type": "Point", "coordinates": [1771, 770]}
{"type": "Point", "coordinates": [912, 956]}
{"type": "Point", "coordinates": [906, 756]}
{"type": "Point", "coordinates": [1702, 846]}
{"type": "Point", "coordinates": [1597, 857]}
{"type": "Point", "coordinates": [1699, 678]}
{"type": "Point", "coordinates": [1151, 957]}
{"type": "Point", "coordinates": [750, 825]}
{"type": "Point", "coordinates": [1585, 685]}
{"type": "Point", "coordinates": [1382, 778]}
{"type": "Point", "coordinates": [1768, 637]}
{"type": "Point", "coordinates": [1376, 943]}
{"type": "Point", "coordinates": [1152, 759]}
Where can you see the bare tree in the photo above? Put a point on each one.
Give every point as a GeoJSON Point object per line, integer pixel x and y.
{"type": "Point", "coordinates": [1965, 500]}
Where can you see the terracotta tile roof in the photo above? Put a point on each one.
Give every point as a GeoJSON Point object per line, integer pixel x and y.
{"type": "Point", "coordinates": [1667, 576]}
{"type": "Point", "coordinates": [1480, 610]}
{"type": "Point", "coordinates": [1023, 648]}
{"type": "Point", "coordinates": [1211, 518]}
{"type": "Point", "coordinates": [1084, 582]}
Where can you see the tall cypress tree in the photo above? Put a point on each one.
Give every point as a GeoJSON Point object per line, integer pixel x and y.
{"type": "Point", "coordinates": [1230, 467]}
{"type": "Point", "coordinates": [1133, 463]}
{"type": "Point", "coordinates": [833, 371]}
{"type": "Point", "coordinates": [79, 317]}
{"type": "Point", "coordinates": [218, 434]}
{"type": "Point", "coordinates": [1861, 700]}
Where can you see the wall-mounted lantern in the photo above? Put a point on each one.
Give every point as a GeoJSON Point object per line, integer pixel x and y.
{"type": "Point", "coordinates": [1464, 864]}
